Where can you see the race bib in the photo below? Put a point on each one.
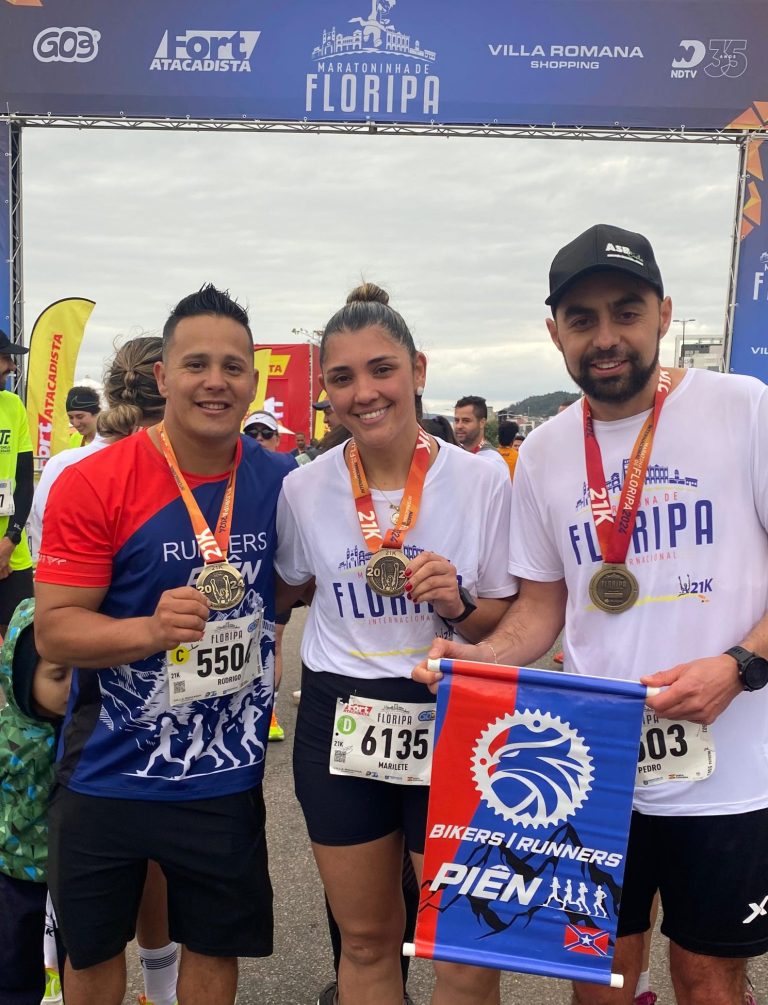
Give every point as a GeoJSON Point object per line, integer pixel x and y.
{"type": "Point", "coordinates": [390, 741]}
{"type": "Point", "coordinates": [227, 658]}
{"type": "Point", "coordinates": [673, 750]}
{"type": "Point", "coordinates": [7, 507]}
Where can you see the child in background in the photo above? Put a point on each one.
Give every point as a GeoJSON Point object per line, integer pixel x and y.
{"type": "Point", "coordinates": [36, 693]}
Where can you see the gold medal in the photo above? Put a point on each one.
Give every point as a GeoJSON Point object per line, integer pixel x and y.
{"type": "Point", "coordinates": [385, 572]}
{"type": "Point", "coordinates": [222, 584]}
{"type": "Point", "coordinates": [613, 588]}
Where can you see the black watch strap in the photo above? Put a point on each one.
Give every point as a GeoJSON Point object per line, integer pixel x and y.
{"type": "Point", "coordinates": [469, 607]}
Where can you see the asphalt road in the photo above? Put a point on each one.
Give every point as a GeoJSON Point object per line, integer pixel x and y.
{"type": "Point", "coordinates": [302, 961]}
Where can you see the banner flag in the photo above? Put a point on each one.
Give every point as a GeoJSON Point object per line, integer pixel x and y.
{"type": "Point", "coordinates": [287, 384]}
{"type": "Point", "coordinates": [529, 811]}
{"type": "Point", "coordinates": [53, 348]}
{"type": "Point", "coordinates": [588, 63]}
{"type": "Point", "coordinates": [749, 337]}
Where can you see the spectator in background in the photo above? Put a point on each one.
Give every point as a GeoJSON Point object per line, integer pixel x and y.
{"type": "Point", "coordinates": [303, 449]}
{"type": "Point", "coordinates": [518, 441]}
{"type": "Point", "coordinates": [83, 407]}
{"type": "Point", "coordinates": [507, 433]}
{"type": "Point", "coordinates": [470, 416]}
{"type": "Point", "coordinates": [330, 418]}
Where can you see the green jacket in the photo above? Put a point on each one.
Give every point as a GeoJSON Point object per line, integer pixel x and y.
{"type": "Point", "coordinates": [27, 751]}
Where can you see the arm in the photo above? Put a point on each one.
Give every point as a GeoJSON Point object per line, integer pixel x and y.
{"type": "Point", "coordinates": [70, 630]}
{"type": "Point", "coordinates": [287, 595]}
{"type": "Point", "coordinates": [701, 690]}
{"type": "Point", "coordinates": [527, 631]}
{"type": "Point", "coordinates": [22, 502]}
{"type": "Point", "coordinates": [432, 579]}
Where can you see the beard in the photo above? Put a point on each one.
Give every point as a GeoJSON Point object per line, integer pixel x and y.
{"type": "Point", "coordinates": [615, 390]}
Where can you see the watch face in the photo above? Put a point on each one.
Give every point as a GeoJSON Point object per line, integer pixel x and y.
{"type": "Point", "coordinates": [755, 673]}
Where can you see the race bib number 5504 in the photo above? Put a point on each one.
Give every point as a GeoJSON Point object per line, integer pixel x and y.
{"type": "Point", "coordinates": [226, 659]}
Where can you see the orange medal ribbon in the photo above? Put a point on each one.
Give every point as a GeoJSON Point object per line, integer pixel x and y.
{"type": "Point", "coordinates": [409, 507]}
{"type": "Point", "coordinates": [213, 546]}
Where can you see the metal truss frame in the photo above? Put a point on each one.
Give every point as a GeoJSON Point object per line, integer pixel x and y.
{"type": "Point", "coordinates": [617, 132]}
{"type": "Point", "coordinates": [491, 130]}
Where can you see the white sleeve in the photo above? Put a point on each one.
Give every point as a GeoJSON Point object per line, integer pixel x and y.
{"type": "Point", "coordinates": [533, 552]}
{"type": "Point", "coordinates": [760, 459]}
{"type": "Point", "coordinates": [493, 577]}
{"type": "Point", "coordinates": [291, 562]}
{"type": "Point", "coordinates": [50, 473]}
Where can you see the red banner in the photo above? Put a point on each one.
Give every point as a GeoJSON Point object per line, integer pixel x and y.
{"type": "Point", "coordinates": [288, 383]}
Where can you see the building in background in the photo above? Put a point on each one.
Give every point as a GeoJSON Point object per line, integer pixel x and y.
{"type": "Point", "coordinates": [704, 352]}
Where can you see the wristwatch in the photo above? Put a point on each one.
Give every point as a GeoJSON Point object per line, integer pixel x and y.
{"type": "Point", "coordinates": [469, 607]}
{"type": "Point", "coordinates": [753, 669]}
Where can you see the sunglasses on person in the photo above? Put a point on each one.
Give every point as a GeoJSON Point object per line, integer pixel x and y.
{"type": "Point", "coordinates": [259, 433]}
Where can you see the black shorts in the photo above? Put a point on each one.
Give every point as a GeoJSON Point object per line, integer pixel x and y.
{"type": "Point", "coordinates": [16, 586]}
{"type": "Point", "coordinates": [213, 853]}
{"type": "Point", "coordinates": [712, 874]}
{"type": "Point", "coordinates": [342, 810]}
{"type": "Point", "coordinates": [22, 922]}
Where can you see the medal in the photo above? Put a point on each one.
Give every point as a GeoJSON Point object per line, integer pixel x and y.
{"type": "Point", "coordinates": [613, 589]}
{"type": "Point", "coordinates": [385, 572]}
{"type": "Point", "coordinates": [219, 582]}
{"type": "Point", "coordinates": [222, 584]}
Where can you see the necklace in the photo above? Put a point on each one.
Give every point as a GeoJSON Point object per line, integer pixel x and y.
{"type": "Point", "coordinates": [394, 508]}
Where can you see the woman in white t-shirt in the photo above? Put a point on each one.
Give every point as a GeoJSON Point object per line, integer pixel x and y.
{"type": "Point", "coordinates": [362, 734]}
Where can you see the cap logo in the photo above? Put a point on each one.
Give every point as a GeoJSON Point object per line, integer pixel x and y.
{"type": "Point", "coordinates": [620, 251]}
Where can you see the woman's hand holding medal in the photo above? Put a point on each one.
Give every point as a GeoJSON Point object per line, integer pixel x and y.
{"type": "Point", "coordinates": [430, 578]}
{"type": "Point", "coordinates": [180, 616]}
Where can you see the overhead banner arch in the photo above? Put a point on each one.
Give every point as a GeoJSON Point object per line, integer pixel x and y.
{"type": "Point", "coordinates": [590, 63]}
{"type": "Point", "coordinates": [692, 71]}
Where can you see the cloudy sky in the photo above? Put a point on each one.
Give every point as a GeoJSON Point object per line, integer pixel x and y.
{"type": "Point", "coordinates": [461, 232]}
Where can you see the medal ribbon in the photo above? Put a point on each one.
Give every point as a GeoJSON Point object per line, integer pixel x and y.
{"type": "Point", "coordinates": [409, 507]}
{"type": "Point", "coordinates": [614, 534]}
{"type": "Point", "coordinates": [213, 546]}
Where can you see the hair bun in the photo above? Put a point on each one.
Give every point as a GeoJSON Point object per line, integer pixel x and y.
{"type": "Point", "coordinates": [367, 293]}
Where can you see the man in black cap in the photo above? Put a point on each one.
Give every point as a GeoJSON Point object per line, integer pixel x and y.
{"type": "Point", "coordinates": [649, 544]}
{"type": "Point", "coordinates": [16, 489]}
{"type": "Point", "coordinates": [83, 407]}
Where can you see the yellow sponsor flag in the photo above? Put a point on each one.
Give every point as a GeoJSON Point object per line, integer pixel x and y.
{"type": "Point", "coordinates": [53, 348]}
{"type": "Point", "coordinates": [262, 358]}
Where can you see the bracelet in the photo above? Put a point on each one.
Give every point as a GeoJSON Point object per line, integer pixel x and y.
{"type": "Point", "coordinates": [485, 642]}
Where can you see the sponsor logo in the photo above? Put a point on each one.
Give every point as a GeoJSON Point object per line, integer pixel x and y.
{"type": "Point", "coordinates": [357, 709]}
{"type": "Point", "coordinates": [426, 716]}
{"type": "Point", "coordinates": [532, 769]}
{"type": "Point", "coordinates": [759, 350]}
{"type": "Point", "coordinates": [586, 940]}
{"type": "Point", "coordinates": [372, 69]}
{"type": "Point", "coordinates": [206, 51]}
{"type": "Point", "coordinates": [278, 365]}
{"type": "Point", "coordinates": [727, 58]}
{"type": "Point", "coordinates": [66, 45]}
{"type": "Point", "coordinates": [565, 57]}
{"type": "Point", "coordinates": [621, 251]}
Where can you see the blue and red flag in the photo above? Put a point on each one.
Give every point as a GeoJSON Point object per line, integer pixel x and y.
{"type": "Point", "coordinates": [529, 812]}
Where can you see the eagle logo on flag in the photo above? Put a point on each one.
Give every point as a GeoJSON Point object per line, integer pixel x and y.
{"type": "Point", "coordinates": [532, 769]}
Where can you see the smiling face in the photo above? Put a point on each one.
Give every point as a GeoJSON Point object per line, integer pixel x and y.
{"type": "Point", "coordinates": [371, 382]}
{"type": "Point", "coordinates": [608, 328]}
{"type": "Point", "coordinates": [207, 379]}
{"type": "Point", "coordinates": [83, 422]}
